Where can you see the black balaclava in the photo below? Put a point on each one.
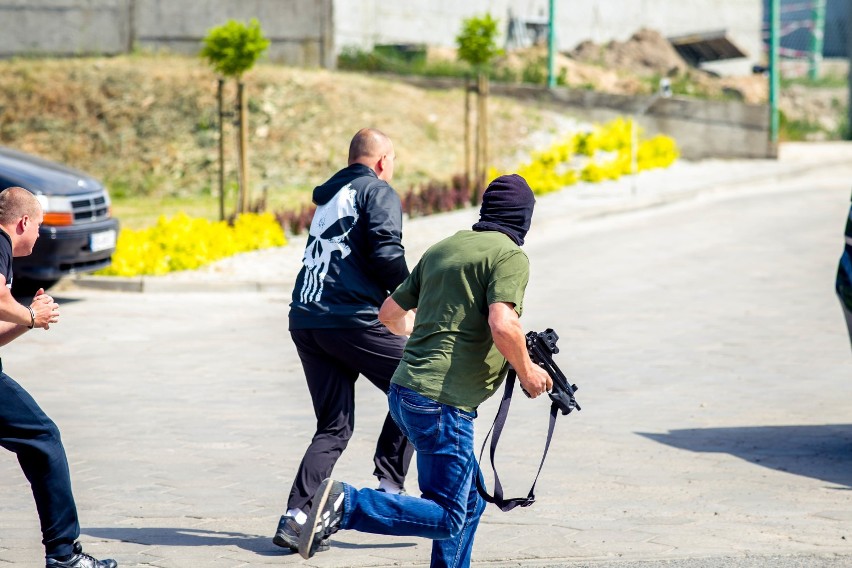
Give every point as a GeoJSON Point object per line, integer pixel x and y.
{"type": "Point", "coordinates": [507, 206]}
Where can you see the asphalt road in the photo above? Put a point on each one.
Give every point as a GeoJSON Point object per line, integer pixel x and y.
{"type": "Point", "coordinates": [714, 372]}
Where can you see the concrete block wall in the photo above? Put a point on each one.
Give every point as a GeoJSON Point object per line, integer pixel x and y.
{"type": "Point", "coordinates": [702, 129]}
{"type": "Point", "coordinates": [64, 27]}
{"type": "Point", "coordinates": [301, 31]}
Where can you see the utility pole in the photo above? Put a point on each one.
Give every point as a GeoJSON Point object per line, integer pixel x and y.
{"type": "Point", "coordinates": [817, 39]}
{"type": "Point", "coordinates": [551, 46]}
{"type": "Point", "coordinates": [774, 72]}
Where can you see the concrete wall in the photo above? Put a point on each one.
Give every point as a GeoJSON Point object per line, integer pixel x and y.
{"type": "Point", "coordinates": [364, 23]}
{"type": "Point", "coordinates": [64, 27]}
{"type": "Point", "coordinates": [300, 30]}
{"type": "Point", "coordinates": [702, 129]}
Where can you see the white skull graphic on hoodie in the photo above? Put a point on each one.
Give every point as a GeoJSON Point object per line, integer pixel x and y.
{"type": "Point", "coordinates": [330, 226]}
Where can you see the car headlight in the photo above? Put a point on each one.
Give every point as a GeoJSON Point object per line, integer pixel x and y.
{"type": "Point", "coordinates": [57, 210]}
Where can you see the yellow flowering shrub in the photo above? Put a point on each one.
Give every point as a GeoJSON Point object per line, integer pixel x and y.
{"type": "Point", "coordinates": [611, 137]}
{"type": "Point", "coordinates": [658, 152]}
{"type": "Point", "coordinates": [607, 153]}
{"type": "Point", "coordinates": [185, 243]}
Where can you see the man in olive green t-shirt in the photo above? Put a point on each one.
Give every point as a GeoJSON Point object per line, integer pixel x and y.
{"type": "Point", "coordinates": [468, 293]}
{"type": "Point", "coordinates": [451, 357]}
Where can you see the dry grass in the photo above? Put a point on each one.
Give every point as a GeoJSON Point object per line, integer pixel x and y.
{"type": "Point", "coordinates": [147, 126]}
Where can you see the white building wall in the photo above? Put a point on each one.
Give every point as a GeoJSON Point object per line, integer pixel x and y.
{"type": "Point", "coordinates": [303, 32]}
{"type": "Point", "coordinates": [364, 23]}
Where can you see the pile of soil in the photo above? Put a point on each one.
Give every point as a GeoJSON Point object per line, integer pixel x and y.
{"type": "Point", "coordinates": [577, 74]}
{"type": "Point", "coordinates": [631, 67]}
{"type": "Point", "coordinates": [646, 53]}
{"type": "Point", "coordinates": [620, 67]}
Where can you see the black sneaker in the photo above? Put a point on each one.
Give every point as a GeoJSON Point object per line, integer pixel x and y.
{"type": "Point", "coordinates": [80, 560]}
{"type": "Point", "coordinates": [324, 518]}
{"type": "Point", "coordinates": [287, 535]}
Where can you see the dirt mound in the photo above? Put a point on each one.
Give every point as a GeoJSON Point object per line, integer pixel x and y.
{"type": "Point", "coordinates": [628, 68]}
{"type": "Point", "coordinates": [576, 74]}
{"type": "Point", "coordinates": [646, 53]}
{"type": "Point", "coordinates": [625, 68]}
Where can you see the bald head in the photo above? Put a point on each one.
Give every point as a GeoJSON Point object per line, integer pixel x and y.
{"type": "Point", "coordinates": [20, 218]}
{"type": "Point", "coordinates": [373, 149]}
{"type": "Point", "coordinates": [368, 145]}
{"type": "Point", "coordinates": [15, 202]}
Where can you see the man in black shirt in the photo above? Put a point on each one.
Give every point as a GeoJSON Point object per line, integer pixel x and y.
{"type": "Point", "coordinates": [353, 259]}
{"type": "Point", "coordinates": [24, 428]}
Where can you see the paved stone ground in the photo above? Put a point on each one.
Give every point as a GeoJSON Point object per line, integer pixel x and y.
{"type": "Point", "coordinates": [709, 348]}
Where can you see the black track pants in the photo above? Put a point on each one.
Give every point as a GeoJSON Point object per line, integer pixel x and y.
{"type": "Point", "coordinates": [333, 359]}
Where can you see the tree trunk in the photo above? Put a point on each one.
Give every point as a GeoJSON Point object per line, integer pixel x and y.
{"type": "Point", "coordinates": [245, 194]}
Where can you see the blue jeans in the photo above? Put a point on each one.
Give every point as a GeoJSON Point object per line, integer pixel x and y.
{"type": "Point", "coordinates": [27, 431]}
{"type": "Point", "coordinates": [449, 509]}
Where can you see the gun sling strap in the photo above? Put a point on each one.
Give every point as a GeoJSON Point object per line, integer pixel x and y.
{"type": "Point", "coordinates": [497, 429]}
{"type": "Point", "coordinates": [541, 347]}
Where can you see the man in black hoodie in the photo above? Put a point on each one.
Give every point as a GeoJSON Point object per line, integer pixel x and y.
{"type": "Point", "coordinates": [353, 259]}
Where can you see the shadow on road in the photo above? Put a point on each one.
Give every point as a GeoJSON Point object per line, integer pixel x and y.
{"type": "Point", "coordinates": [61, 300]}
{"type": "Point", "coordinates": [261, 545]}
{"type": "Point", "coordinates": [821, 452]}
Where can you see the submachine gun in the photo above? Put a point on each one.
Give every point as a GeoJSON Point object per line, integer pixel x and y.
{"type": "Point", "coordinates": [541, 347]}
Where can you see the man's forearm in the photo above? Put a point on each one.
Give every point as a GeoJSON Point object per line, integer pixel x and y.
{"type": "Point", "coordinates": [509, 339]}
{"type": "Point", "coordinates": [396, 319]}
{"type": "Point", "coordinates": [13, 312]}
{"type": "Point", "coordinates": [10, 331]}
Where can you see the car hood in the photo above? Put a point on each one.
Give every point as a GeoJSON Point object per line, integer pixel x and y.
{"type": "Point", "coordinates": [43, 176]}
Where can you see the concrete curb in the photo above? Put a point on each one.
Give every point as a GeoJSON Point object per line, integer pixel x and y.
{"type": "Point", "coordinates": [152, 284]}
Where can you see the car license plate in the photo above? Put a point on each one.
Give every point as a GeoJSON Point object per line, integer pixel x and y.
{"type": "Point", "coordinates": [102, 241]}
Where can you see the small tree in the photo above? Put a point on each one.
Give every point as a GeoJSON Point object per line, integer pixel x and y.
{"type": "Point", "coordinates": [232, 49]}
{"type": "Point", "coordinates": [477, 41]}
{"type": "Point", "coordinates": [477, 45]}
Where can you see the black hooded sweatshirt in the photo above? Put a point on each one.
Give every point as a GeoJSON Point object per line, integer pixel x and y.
{"type": "Point", "coordinates": [354, 255]}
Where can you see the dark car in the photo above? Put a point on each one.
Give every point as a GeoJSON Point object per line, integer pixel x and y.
{"type": "Point", "coordinates": [78, 234]}
{"type": "Point", "coordinates": [843, 283]}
